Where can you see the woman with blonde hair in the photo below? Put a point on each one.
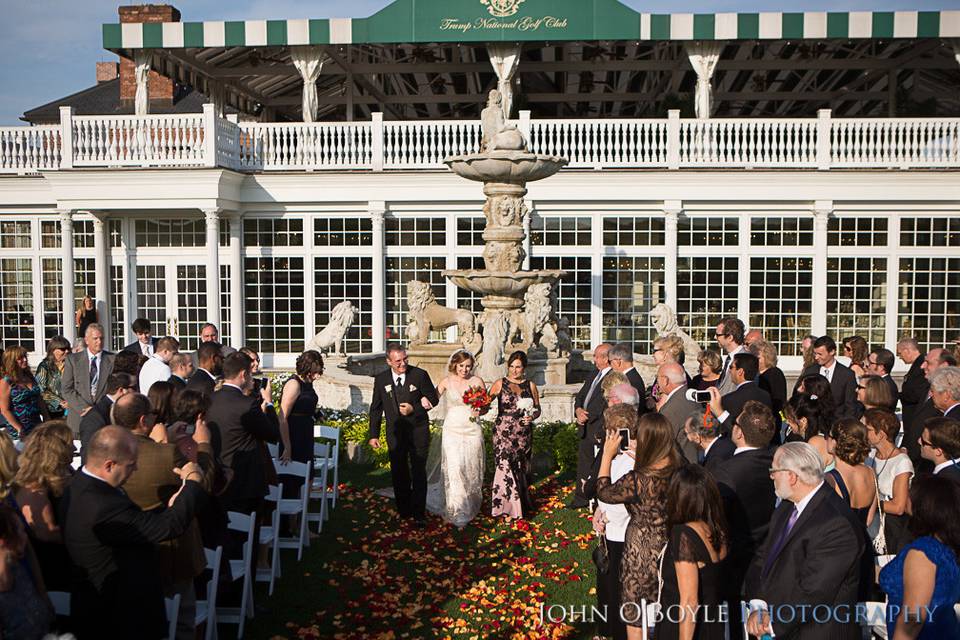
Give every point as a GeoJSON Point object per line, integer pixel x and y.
{"type": "Point", "coordinates": [710, 364]}
{"type": "Point", "coordinates": [612, 379]}
{"type": "Point", "coordinates": [86, 315]}
{"type": "Point", "coordinates": [771, 378]}
{"type": "Point", "coordinates": [666, 349]}
{"type": "Point", "coordinates": [874, 393]}
{"type": "Point", "coordinates": [21, 402]}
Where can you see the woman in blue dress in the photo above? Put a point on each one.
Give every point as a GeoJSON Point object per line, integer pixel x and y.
{"type": "Point", "coordinates": [925, 605]}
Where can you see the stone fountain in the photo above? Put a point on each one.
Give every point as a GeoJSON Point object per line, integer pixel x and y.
{"type": "Point", "coordinates": [519, 307]}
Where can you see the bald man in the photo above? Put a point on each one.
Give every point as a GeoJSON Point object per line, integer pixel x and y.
{"type": "Point", "coordinates": [675, 407]}
{"type": "Point", "coordinates": [589, 406]}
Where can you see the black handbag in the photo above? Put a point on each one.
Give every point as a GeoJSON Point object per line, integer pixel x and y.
{"type": "Point", "coordinates": [600, 556]}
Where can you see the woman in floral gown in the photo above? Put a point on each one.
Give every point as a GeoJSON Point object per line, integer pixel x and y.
{"type": "Point", "coordinates": [519, 405]}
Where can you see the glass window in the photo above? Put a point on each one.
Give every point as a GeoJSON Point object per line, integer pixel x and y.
{"type": "Point", "coordinates": [170, 233]}
{"type": "Point", "coordinates": [573, 294]}
{"type": "Point", "coordinates": [115, 229]}
{"type": "Point", "coordinates": [857, 231]}
{"type": "Point", "coordinates": [400, 271]}
{"type": "Point", "coordinates": [467, 299]}
{"type": "Point", "coordinates": [52, 282]}
{"type": "Point", "coordinates": [118, 329]}
{"type": "Point", "coordinates": [50, 234]}
{"type": "Point", "coordinates": [343, 232]}
{"type": "Point", "coordinates": [152, 295]}
{"type": "Point", "coordinates": [857, 297]}
{"type": "Point", "coordinates": [411, 231]}
{"type": "Point", "coordinates": [929, 300]}
{"type": "Point", "coordinates": [631, 231]}
{"type": "Point", "coordinates": [930, 232]}
{"type": "Point", "coordinates": [631, 288]}
{"type": "Point", "coordinates": [15, 234]}
{"type": "Point", "coordinates": [225, 284]}
{"type": "Point", "coordinates": [191, 304]}
{"type": "Point", "coordinates": [470, 232]}
{"type": "Point", "coordinates": [773, 231]}
{"type": "Point", "coordinates": [781, 300]}
{"type": "Point", "coordinates": [82, 234]}
{"type": "Point", "coordinates": [560, 231]}
{"type": "Point", "coordinates": [699, 231]}
{"type": "Point", "coordinates": [274, 300]}
{"type": "Point", "coordinates": [707, 292]}
{"type": "Point", "coordinates": [16, 300]}
{"type": "Point", "coordinates": [272, 232]}
{"type": "Point", "coordinates": [347, 278]}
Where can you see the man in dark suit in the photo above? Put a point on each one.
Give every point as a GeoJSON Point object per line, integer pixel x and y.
{"type": "Point", "coordinates": [620, 357]}
{"type": "Point", "coordinates": [940, 444]}
{"type": "Point", "coordinates": [747, 492]}
{"type": "Point", "coordinates": [935, 359]}
{"type": "Point", "coordinates": [117, 591]}
{"type": "Point", "coordinates": [880, 362]}
{"type": "Point", "coordinates": [843, 382]}
{"type": "Point", "coordinates": [743, 371]}
{"type": "Point", "coordinates": [915, 387]}
{"type": "Point", "coordinates": [85, 376]}
{"type": "Point", "coordinates": [675, 407]}
{"type": "Point", "coordinates": [703, 429]}
{"type": "Point", "coordinates": [181, 368]}
{"type": "Point", "coordinates": [812, 555]}
{"type": "Point", "coordinates": [146, 343]}
{"type": "Point", "coordinates": [399, 394]}
{"type": "Point", "coordinates": [210, 333]}
{"type": "Point", "coordinates": [945, 391]}
{"type": "Point", "coordinates": [118, 384]}
{"type": "Point", "coordinates": [589, 406]}
{"type": "Point", "coordinates": [204, 378]}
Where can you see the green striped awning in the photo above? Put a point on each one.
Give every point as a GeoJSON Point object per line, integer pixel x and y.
{"type": "Point", "coordinates": [411, 21]}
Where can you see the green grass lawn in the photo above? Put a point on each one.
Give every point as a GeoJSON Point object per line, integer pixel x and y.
{"type": "Point", "coordinates": [372, 575]}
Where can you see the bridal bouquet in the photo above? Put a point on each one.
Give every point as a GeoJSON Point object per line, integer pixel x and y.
{"type": "Point", "coordinates": [477, 398]}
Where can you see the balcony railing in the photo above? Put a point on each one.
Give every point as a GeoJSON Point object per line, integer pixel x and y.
{"type": "Point", "coordinates": [205, 140]}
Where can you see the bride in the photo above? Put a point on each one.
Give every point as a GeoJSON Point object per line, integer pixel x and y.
{"type": "Point", "coordinates": [455, 470]}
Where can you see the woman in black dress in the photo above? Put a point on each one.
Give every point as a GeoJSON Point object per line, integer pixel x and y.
{"type": "Point", "coordinates": [690, 603]}
{"type": "Point", "coordinates": [86, 316]}
{"type": "Point", "coordinates": [771, 378]}
{"type": "Point", "coordinates": [298, 407]}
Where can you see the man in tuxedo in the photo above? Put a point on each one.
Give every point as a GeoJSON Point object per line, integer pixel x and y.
{"type": "Point", "coordinates": [675, 407]}
{"type": "Point", "coordinates": [85, 376]}
{"type": "Point", "coordinates": [880, 362]}
{"type": "Point", "coordinates": [940, 444]}
{"type": "Point", "coordinates": [620, 357]}
{"type": "Point", "coordinates": [730, 336]}
{"type": "Point", "coordinates": [935, 359]}
{"type": "Point", "coordinates": [843, 382]}
{"type": "Point", "coordinates": [181, 368]}
{"type": "Point", "coordinates": [399, 394]}
{"type": "Point", "coordinates": [118, 385]}
{"type": "Point", "coordinates": [211, 365]}
{"type": "Point", "coordinates": [146, 343]}
{"type": "Point", "coordinates": [915, 387]}
{"type": "Point", "coordinates": [945, 391]}
{"type": "Point", "coordinates": [812, 555]}
{"type": "Point", "coordinates": [703, 429]}
{"type": "Point", "coordinates": [747, 492]}
{"type": "Point", "coordinates": [117, 591]}
{"type": "Point", "coordinates": [589, 406]}
{"type": "Point", "coordinates": [157, 367]}
{"type": "Point", "coordinates": [743, 372]}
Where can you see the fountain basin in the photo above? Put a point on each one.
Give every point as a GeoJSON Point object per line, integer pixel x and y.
{"type": "Point", "coordinates": [512, 167]}
{"type": "Point", "coordinates": [502, 284]}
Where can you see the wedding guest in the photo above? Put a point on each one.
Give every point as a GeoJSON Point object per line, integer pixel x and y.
{"type": "Point", "coordinates": [85, 375]}
{"type": "Point", "coordinates": [851, 478]}
{"type": "Point", "coordinates": [621, 361]}
{"type": "Point", "coordinates": [915, 386]}
{"type": "Point", "coordinates": [874, 393]}
{"type": "Point", "coordinates": [744, 369]}
{"type": "Point", "coordinates": [894, 471]}
{"type": "Point", "coordinates": [693, 561]}
{"type": "Point", "coordinates": [610, 381]}
{"type": "Point", "coordinates": [666, 350]}
{"type": "Point", "coordinates": [752, 336]}
{"type": "Point", "coordinates": [945, 391]}
{"type": "Point", "coordinates": [932, 361]}
{"type": "Point", "coordinates": [518, 405]}
{"type": "Point", "coordinates": [86, 315]}
{"type": "Point", "coordinates": [806, 350]}
{"type": "Point", "coordinates": [25, 611]}
{"type": "Point", "coordinates": [146, 342]}
{"type": "Point", "coordinates": [49, 376]}
{"type": "Point", "coordinates": [21, 402]}
{"type": "Point", "coordinates": [940, 444]}
{"type": "Point", "coordinates": [624, 393]}
{"type": "Point", "coordinates": [118, 384]}
{"type": "Point", "coordinates": [880, 363]}
{"type": "Point", "coordinates": [643, 491]}
{"type": "Point", "coordinates": [589, 405]}
{"type": "Point", "coordinates": [815, 385]}
{"type": "Point", "coordinates": [161, 401]}
{"type": "Point", "coordinates": [843, 382]}
{"type": "Point", "coordinates": [210, 333]}
{"type": "Point", "coordinates": [729, 335]}
{"type": "Point", "coordinates": [209, 367]}
{"type": "Point", "coordinates": [855, 348]}
{"type": "Point", "coordinates": [157, 367]}
{"type": "Point", "coordinates": [808, 420]}
{"type": "Point", "coordinates": [676, 407]}
{"type": "Point", "coordinates": [127, 362]}
{"type": "Point", "coordinates": [710, 363]}
{"type": "Point", "coordinates": [43, 477]}
{"type": "Point", "coordinates": [771, 378]}
{"type": "Point", "coordinates": [610, 521]}
{"type": "Point", "coordinates": [181, 368]}
{"type": "Point", "coordinates": [298, 406]}
{"type": "Point", "coordinates": [703, 429]}
{"type": "Point", "coordinates": [924, 578]}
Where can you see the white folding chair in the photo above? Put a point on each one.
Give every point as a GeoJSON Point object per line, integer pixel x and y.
{"type": "Point", "coordinates": [295, 506]}
{"type": "Point", "coordinates": [76, 456]}
{"type": "Point", "coordinates": [173, 615]}
{"type": "Point", "coordinates": [241, 569]}
{"type": "Point", "coordinates": [648, 617]}
{"type": "Point", "coordinates": [333, 461]}
{"type": "Point", "coordinates": [207, 609]}
{"type": "Point", "coordinates": [318, 484]}
{"type": "Point", "coordinates": [269, 535]}
{"type": "Point", "coordinates": [61, 602]}
{"type": "Point", "coordinates": [274, 450]}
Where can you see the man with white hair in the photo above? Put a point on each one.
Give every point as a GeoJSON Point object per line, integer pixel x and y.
{"type": "Point", "coordinates": [621, 361]}
{"type": "Point", "coordinates": [675, 407]}
{"type": "Point", "coordinates": [623, 393]}
{"type": "Point", "coordinates": [945, 391]}
{"type": "Point", "coordinates": [805, 576]}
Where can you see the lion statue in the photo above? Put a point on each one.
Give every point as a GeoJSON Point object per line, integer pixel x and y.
{"type": "Point", "coordinates": [538, 324]}
{"type": "Point", "coordinates": [331, 338]}
{"type": "Point", "coordinates": [664, 320]}
{"type": "Point", "coordinates": [427, 315]}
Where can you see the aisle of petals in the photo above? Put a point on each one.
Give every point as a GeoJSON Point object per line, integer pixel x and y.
{"type": "Point", "coordinates": [488, 580]}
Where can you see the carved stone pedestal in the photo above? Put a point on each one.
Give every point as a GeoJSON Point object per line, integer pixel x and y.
{"type": "Point", "coordinates": [433, 358]}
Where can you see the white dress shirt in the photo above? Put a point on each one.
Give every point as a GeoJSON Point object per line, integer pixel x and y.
{"type": "Point", "coordinates": [827, 372]}
{"type": "Point", "coordinates": [617, 515]}
{"type": "Point", "coordinates": [153, 370]}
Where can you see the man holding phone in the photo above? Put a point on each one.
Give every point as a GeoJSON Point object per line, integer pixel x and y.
{"type": "Point", "coordinates": [675, 406]}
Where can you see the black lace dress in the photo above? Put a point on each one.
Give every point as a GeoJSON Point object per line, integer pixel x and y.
{"type": "Point", "coordinates": [301, 421]}
{"type": "Point", "coordinates": [512, 451]}
{"type": "Point", "coordinates": [686, 545]}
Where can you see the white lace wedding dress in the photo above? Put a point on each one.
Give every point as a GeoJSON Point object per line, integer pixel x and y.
{"type": "Point", "coordinates": [455, 467]}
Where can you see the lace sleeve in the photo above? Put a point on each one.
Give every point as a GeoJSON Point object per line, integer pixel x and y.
{"type": "Point", "coordinates": [685, 544]}
{"type": "Point", "coordinates": [622, 491]}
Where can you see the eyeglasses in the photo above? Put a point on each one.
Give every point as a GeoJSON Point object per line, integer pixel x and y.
{"type": "Point", "coordinates": [655, 349]}
{"type": "Point", "coordinates": [774, 470]}
{"type": "Point", "coordinates": [925, 443]}
{"type": "Point", "coordinates": [860, 386]}
{"type": "Point", "coordinates": [720, 335]}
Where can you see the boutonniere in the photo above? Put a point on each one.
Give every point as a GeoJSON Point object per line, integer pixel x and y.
{"type": "Point", "coordinates": [388, 388]}
{"type": "Point", "coordinates": [412, 388]}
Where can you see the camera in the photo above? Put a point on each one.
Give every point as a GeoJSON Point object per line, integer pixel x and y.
{"type": "Point", "coordinates": [259, 384]}
{"type": "Point", "coordinates": [624, 439]}
{"type": "Point", "coordinates": [703, 397]}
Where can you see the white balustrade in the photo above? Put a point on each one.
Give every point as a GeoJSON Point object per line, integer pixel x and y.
{"type": "Point", "coordinates": [895, 142]}
{"type": "Point", "coordinates": [754, 142]}
{"type": "Point", "coordinates": [140, 141]}
{"type": "Point", "coordinates": [29, 149]}
{"type": "Point", "coordinates": [602, 143]}
{"type": "Point", "coordinates": [227, 144]}
{"type": "Point", "coordinates": [301, 145]}
{"type": "Point", "coordinates": [424, 144]}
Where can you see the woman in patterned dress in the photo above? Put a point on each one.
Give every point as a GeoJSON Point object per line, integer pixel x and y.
{"type": "Point", "coordinates": [20, 401]}
{"type": "Point", "coordinates": [49, 375]}
{"type": "Point", "coordinates": [518, 403]}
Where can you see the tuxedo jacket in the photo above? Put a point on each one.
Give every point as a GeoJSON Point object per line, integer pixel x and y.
{"type": "Point", "coordinates": [117, 590]}
{"type": "Point", "coordinates": [821, 563]}
{"type": "Point", "coordinates": [202, 382]}
{"type": "Point", "coordinates": [913, 390]}
{"type": "Point", "coordinates": [953, 413]}
{"type": "Point", "coordinates": [75, 384]}
{"type": "Point", "coordinates": [951, 472]}
{"type": "Point", "coordinates": [177, 382]}
{"type": "Point", "coordinates": [97, 418]}
{"type": "Point", "coordinates": [387, 398]}
{"type": "Point", "coordinates": [134, 347]}
{"type": "Point", "coordinates": [894, 390]}
{"type": "Point", "coordinates": [721, 451]}
{"type": "Point", "coordinates": [912, 431]}
{"type": "Point", "coordinates": [734, 401]}
{"type": "Point", "coordinates": [843, 385]}
{"type": "Point", "coordinates": [677, 409]}
{"type": "Point", "coordinates": [592, 429]}
{"type": "Point", "coordinates": [636, 381]}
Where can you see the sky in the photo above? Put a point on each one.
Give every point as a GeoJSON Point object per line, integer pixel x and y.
{"type": "Point", "coordinates": [48, 48]}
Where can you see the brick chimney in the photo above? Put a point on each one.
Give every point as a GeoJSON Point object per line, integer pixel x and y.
{"type": "Point", "coordinates": [106, 71]}
{"type": "Point", "coordinates": [160, 87]}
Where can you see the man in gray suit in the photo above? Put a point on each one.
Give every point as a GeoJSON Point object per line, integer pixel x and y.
{"type": "Point", "coordinates": [675, 406]}
{"type": "Point", "coordinates": [730, 336]}
{"type": "Point", "coordinates": [210, 333]}
{"type": "Point", "coordinates": [85, 376]}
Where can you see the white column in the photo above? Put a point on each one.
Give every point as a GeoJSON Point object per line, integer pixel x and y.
{"type": "Point", "coordinates": [237, 321]}
{"type": "Point", "coordinates": [69, 302]}
{"type": "Point", "coordinates": [821, 214]}
{"type": "Point", "coordinates": [213, 265]}
{"type": "Point", "coordinates": [704, 57]}
{"type": "Point", "coordinates": [891, 328]}
{"type": "Point", "coordinates": [377, 209]}
{"type": "Point", "coordinates": [101, 242]}
{"type": "Point", "coordinates": [671, 212]}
